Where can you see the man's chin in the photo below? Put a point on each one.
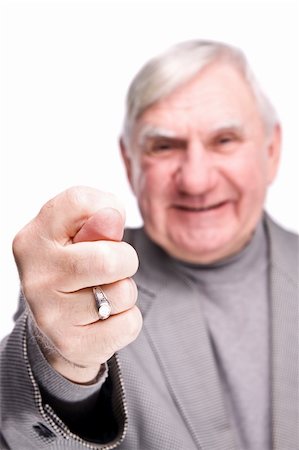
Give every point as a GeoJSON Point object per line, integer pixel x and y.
{"type": "Point", "coordinates": [195, 245]}
{"type": "Point", "coordinates": [196, 254]}
{"type": "Point", "coordinates": [209, 249]}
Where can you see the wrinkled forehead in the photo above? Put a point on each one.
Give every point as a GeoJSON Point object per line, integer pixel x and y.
{"type": "Point", "coordinates": [218, 98]}
{"type": "Point", "coordinates": [218, 78]}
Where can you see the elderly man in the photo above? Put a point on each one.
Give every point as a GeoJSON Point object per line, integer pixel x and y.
{"type": "Point", "coordinates": [215, 364]}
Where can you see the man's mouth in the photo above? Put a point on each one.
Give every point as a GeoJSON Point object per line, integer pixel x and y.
{"type": "Point", "coordinates": [193, 208]}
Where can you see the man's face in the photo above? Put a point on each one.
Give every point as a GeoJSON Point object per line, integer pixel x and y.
{"type": "Point", "coordinates": [200, 163]}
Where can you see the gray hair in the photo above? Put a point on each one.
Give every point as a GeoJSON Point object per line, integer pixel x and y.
{"type": "Point", "coordinates": [179, 64]}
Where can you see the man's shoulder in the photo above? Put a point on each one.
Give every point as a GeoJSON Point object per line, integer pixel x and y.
{"type": "Point", "coordinates": [284, 246]}
{"type": "Point", "coordinates": [282, 234]}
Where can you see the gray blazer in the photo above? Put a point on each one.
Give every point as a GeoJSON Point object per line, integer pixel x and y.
{"type": "Point", "coordinates": [166, 394]}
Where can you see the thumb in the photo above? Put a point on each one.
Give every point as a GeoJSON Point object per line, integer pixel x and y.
{"type": "Point", "coordinates": [106, 224]}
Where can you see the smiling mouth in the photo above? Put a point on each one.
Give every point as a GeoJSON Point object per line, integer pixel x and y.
{"type": "Point", "coordinates": [188, 208]}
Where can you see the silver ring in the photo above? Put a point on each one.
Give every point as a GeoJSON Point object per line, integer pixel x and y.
{"type": "Point", "coordinates": [102, 303]}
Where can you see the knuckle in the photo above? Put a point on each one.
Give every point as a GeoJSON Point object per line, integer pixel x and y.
{"type": "Point", "coordinates": [134, 324]}
{"type": "Point", "coordinates": [47, 206]}
{"type": "Point", "coordinates": [75, 195]}
{"type": "Point", "coordinates": [127, 259]}
{"type": "Point", "coordinates": [119, 337]}
{"type": "Point", "coordinates": [17, 243]}
{"type": "Point", "coordinates": [132, 257]}
{"type": "Point", "coordinates": [20, 242]}
{"type": "Point", "coordinates": [106, 260]}
{"type": "Point", "coordinates": [129, 289]}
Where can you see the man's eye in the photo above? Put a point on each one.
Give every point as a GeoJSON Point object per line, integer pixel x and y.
{"type": "Point", "coordinates": [161, 146]}
{"type": "Point", "coordinates": [225, 139]}
{"type": "Point", "coordinates": [164, 146]}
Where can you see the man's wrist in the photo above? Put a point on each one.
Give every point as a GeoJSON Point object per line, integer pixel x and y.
{"type": "Point", "coordinates": [73, 372]}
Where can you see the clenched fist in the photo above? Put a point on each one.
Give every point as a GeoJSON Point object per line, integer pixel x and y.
{"type": "Point", "coordinates": [72, 245]}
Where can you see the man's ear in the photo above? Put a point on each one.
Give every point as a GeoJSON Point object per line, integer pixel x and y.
{"type": "Point", "coordinates": [127, 161]}
{"type": "Point", "coordinates": [273, 152]}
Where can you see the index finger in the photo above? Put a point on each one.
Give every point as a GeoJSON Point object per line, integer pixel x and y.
{"type": "Point", "coordinates": [65, 215]}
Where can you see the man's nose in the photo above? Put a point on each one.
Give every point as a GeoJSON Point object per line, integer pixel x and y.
{"type": "Point", "coordinates": [197, 173]}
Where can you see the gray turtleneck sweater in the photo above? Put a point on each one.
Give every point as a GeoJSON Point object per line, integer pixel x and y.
{"type": "Point", "coordinates": [234, 297]}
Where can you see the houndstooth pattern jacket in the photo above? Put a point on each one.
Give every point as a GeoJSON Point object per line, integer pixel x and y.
{"type": "Point", "coordinates": [166, 393]}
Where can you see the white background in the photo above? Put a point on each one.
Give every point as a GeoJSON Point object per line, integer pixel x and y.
{"type": "Point", "coordinates": [65, 68]}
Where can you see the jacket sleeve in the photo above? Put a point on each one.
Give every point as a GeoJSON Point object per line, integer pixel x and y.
{"type": "Point", "coordinates": [35, 414]}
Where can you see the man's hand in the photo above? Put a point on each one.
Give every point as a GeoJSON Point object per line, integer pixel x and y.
{"type": "Point", "coordinates": [72, 245]}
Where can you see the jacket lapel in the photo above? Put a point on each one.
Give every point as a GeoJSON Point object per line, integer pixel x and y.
{"type": "Point", "coordinates": [175, 328]}
{"type": "Point", "coordinates": [285, 339]}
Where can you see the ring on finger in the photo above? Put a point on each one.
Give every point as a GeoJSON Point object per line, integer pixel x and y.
{"type": "Point", "coordinates": [102, 303]}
